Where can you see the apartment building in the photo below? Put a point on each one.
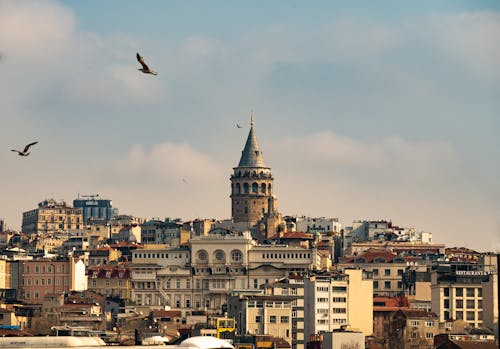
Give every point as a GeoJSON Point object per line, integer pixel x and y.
{"type": "Point", "coordinates": [387, 269]}
{"type": "Point", "coordinates": [293, 286]}
{"type": "Point", "coordinates": [110, 281]}
{"type": "Point", "coordinates": [262, 314]}
{"type": "Point", "coordinates": [457, 292]}
{"type": "Point", "coordinates": [52, 216]}
{"type": "Point", "coordinates": [338, 300]}
{"type": "Point", "coordinates": [413, 329]}
{"type": "Point", "coordinates": [41, 277]}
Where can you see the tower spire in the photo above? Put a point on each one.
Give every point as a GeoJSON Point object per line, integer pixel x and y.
{"type": "Point", "coordinates": [251, 118]}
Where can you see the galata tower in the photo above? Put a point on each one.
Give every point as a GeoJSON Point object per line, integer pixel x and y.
{"type": "Point", "coordinates": [252, 184]}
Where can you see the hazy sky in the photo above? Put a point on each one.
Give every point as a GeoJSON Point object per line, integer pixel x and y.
{"type": "Point", "coordinates": [363, 109]}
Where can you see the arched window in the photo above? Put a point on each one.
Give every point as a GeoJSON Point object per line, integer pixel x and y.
{"type": "Point", "coordinates": [269, 191]}
{"type": "Point", "coordinates": [245, 188]}
{"type": "Point", "coordinates": [238, 188]}
{"type": "Point", "coordinates": [255, 188]}
{"type": "Point", "coordinates": [263, 188]}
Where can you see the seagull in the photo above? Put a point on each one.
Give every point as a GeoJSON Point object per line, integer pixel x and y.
{"type": "Point", "coordinates": [145, 69]}
{"type": "Point", "coordinates": [185, 181]}
{"type": "Point", "coordinates": [25, 151]}
{"type": "Point", "coordinates": [238, 126]}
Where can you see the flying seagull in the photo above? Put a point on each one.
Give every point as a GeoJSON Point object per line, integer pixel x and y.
{"type": "Point", "coordinates": [238, 126]}
{"type": "Point", "coordinates": [25, 150]}
{"type": "Point", "coordinates": [185, 181]}
{"type": "Point", "coordinates": [145, 69]}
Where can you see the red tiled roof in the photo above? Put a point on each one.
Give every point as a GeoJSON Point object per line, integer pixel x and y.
{"type": "Point", "coordinates": [167, 313]}
{"type": "Point", "coordinates": [471, 344]}
{"type": "Point", "coordinates": [293, 235]}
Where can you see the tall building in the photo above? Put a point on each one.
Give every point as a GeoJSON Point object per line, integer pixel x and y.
{"type": "Point", "coordinates": [251, 183]}
{"type": "Point", "coordinates": [337, 300]}
{"type": "Point", "coordinates": [94, 208]}
{"type": "Point", "coordinates": [252, 198]}
{"type": "Point", "coordinates": [52, 216]}
{"type": "Point", "coordinates": [457, 292]}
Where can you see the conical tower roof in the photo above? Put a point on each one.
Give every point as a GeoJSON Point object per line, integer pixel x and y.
{"type": "Point", "coordinates": [251, 156]}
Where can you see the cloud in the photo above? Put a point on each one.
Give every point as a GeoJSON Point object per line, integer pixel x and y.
{"type": "Point", "coordinates": [168, 162]}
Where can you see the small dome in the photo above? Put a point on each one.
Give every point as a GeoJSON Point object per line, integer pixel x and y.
{"type": "Point", "coordinates": [205, 342]}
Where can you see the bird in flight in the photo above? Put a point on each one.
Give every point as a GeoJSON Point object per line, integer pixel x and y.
{"type": "Point", "coordinates": [145, 69]}
{"type": "Point", "coordinates": [185, 181]}
{"type": "Point", "coordinates": [238, 126]}
{"type": "Point", "coordinates": [25, 150]}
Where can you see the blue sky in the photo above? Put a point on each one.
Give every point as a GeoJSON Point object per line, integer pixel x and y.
{"type": "Point", "coordinates": [364, 110]}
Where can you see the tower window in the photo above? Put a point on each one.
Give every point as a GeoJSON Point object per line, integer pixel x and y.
{"type": "Point", "coordinates": [255, 188]}
{"type": "Point", "coordinates": [245, 188]}
{"type": "Point", "coordinates": [263, 188]}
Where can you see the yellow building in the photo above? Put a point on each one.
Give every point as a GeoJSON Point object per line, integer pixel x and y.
{"type": "Point", "coordinates": [52, 216]}
{"type": "Point", "coordinates": [110, 281]}
{"type": "Point", "coordinates": [262, 314]}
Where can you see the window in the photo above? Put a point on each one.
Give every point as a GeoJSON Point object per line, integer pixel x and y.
{"type": "Point", "coordinates": [470, 304]}
{"type": "Point", "coordinates": [339, 310]}
{"type": "Point", "coordinates": [339, 289]}
{"type": "Point", "coordinates": [471, 316]}
{"type": "Point", "coordinates": [459, 315]}
{"type": "Point", "coordinates": [479, 292]}
{"type": "Point", "coordinates": [255, 283]}
{"type": "Point", "coordinates": [429, 335]}
{"type": "Point", "coordinates": [459, 303]}
{"type": "Point", "coordinates": [188, 283]}
{"type": "Point", "coordinates": [258, 319]}
{"type": "Point", "coordinates": [414, 323]}
{"type": "Point", "coordinates": [177, 283]}
{"type": "Point", "coordinates": [446, 303]}
{"type": "Point", "coordinates": [375, 272]}
{"type": "Point", "coordinates": [400, 272]}
{"type": "Point", "coordinates": [188, 303]}
{"type": "Point", "coordinates": [446, 291]}
{"type": "Point", "coordinates": [459, 292]}
{"type": "Point", "coordinates": [387, 284]}
{"type": "Point", "coordinates": [272, 319]}
{"type": "Point", "coordinates": [236, 255]}
{"type": "Point", "coordinates": [429, 324]}
{"type": "Point", "coordinates": [375, 284]}
{"type": "Point", "coordinates": [470, 292]}
{"type": "Point", "coordinates": [387, 272]}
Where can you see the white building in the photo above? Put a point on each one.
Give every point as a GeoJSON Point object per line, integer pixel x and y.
{"type": "Point", "coordinates": [338, 300]}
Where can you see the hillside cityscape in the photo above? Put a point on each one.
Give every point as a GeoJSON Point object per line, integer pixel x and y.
{"type": "Point", "coordinates": [260, 279]}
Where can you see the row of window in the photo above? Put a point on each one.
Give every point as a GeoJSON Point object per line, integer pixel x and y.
{"type": "Point", "coordinates": [159, 255]}
{"type": "Point", "coordinates": [459, 291]}
{"type": "Point", "coordinates": [43, 282]}
{"type": "Point", "coordinates": [459, 315]}
{"type": "Point", "coordinates": [387, 272]}
{"type": "Point", "coordinates": [334, 321]}
{"type": "Point", "coordinates": [416, 323]}
{"type": "Point", "coordinates": [44, 269]}
{"type": "Point", "coordinates": [387, 285]}
{"type": "Point", "coordinates": [285, 255]}
{"type": "Point", "coordinates": [269, 304]}
{"type": "Point", "coordinates": [273, 319]}
{"type": "Point", "coordinates": [469, 303]}
{"type": "Point", "coordinates": [255, 188]}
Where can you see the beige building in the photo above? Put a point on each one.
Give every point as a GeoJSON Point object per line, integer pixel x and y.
{"type": "Point", "coordinates": [338, 300]}
{"type": "Point", "coordinates": [457, 292]}
{"type": "Point", "coordinates": [387, 268]}
{"type": "Point", "coordinates": [292, 286]}
{"type": "Point", "coordinates": [262, 314]}
{"type": "Point", "coordinates": [413, 329]}
{"type": "Point", "coordinates": [52, 216]}
{"type": "Point", "coordinates": [110, 281]}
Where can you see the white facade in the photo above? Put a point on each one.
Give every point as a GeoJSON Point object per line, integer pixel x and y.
{"type": "Point", "coordinates": [79, 276]}
{"type": "Point", "coordinates": [321, 224]}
